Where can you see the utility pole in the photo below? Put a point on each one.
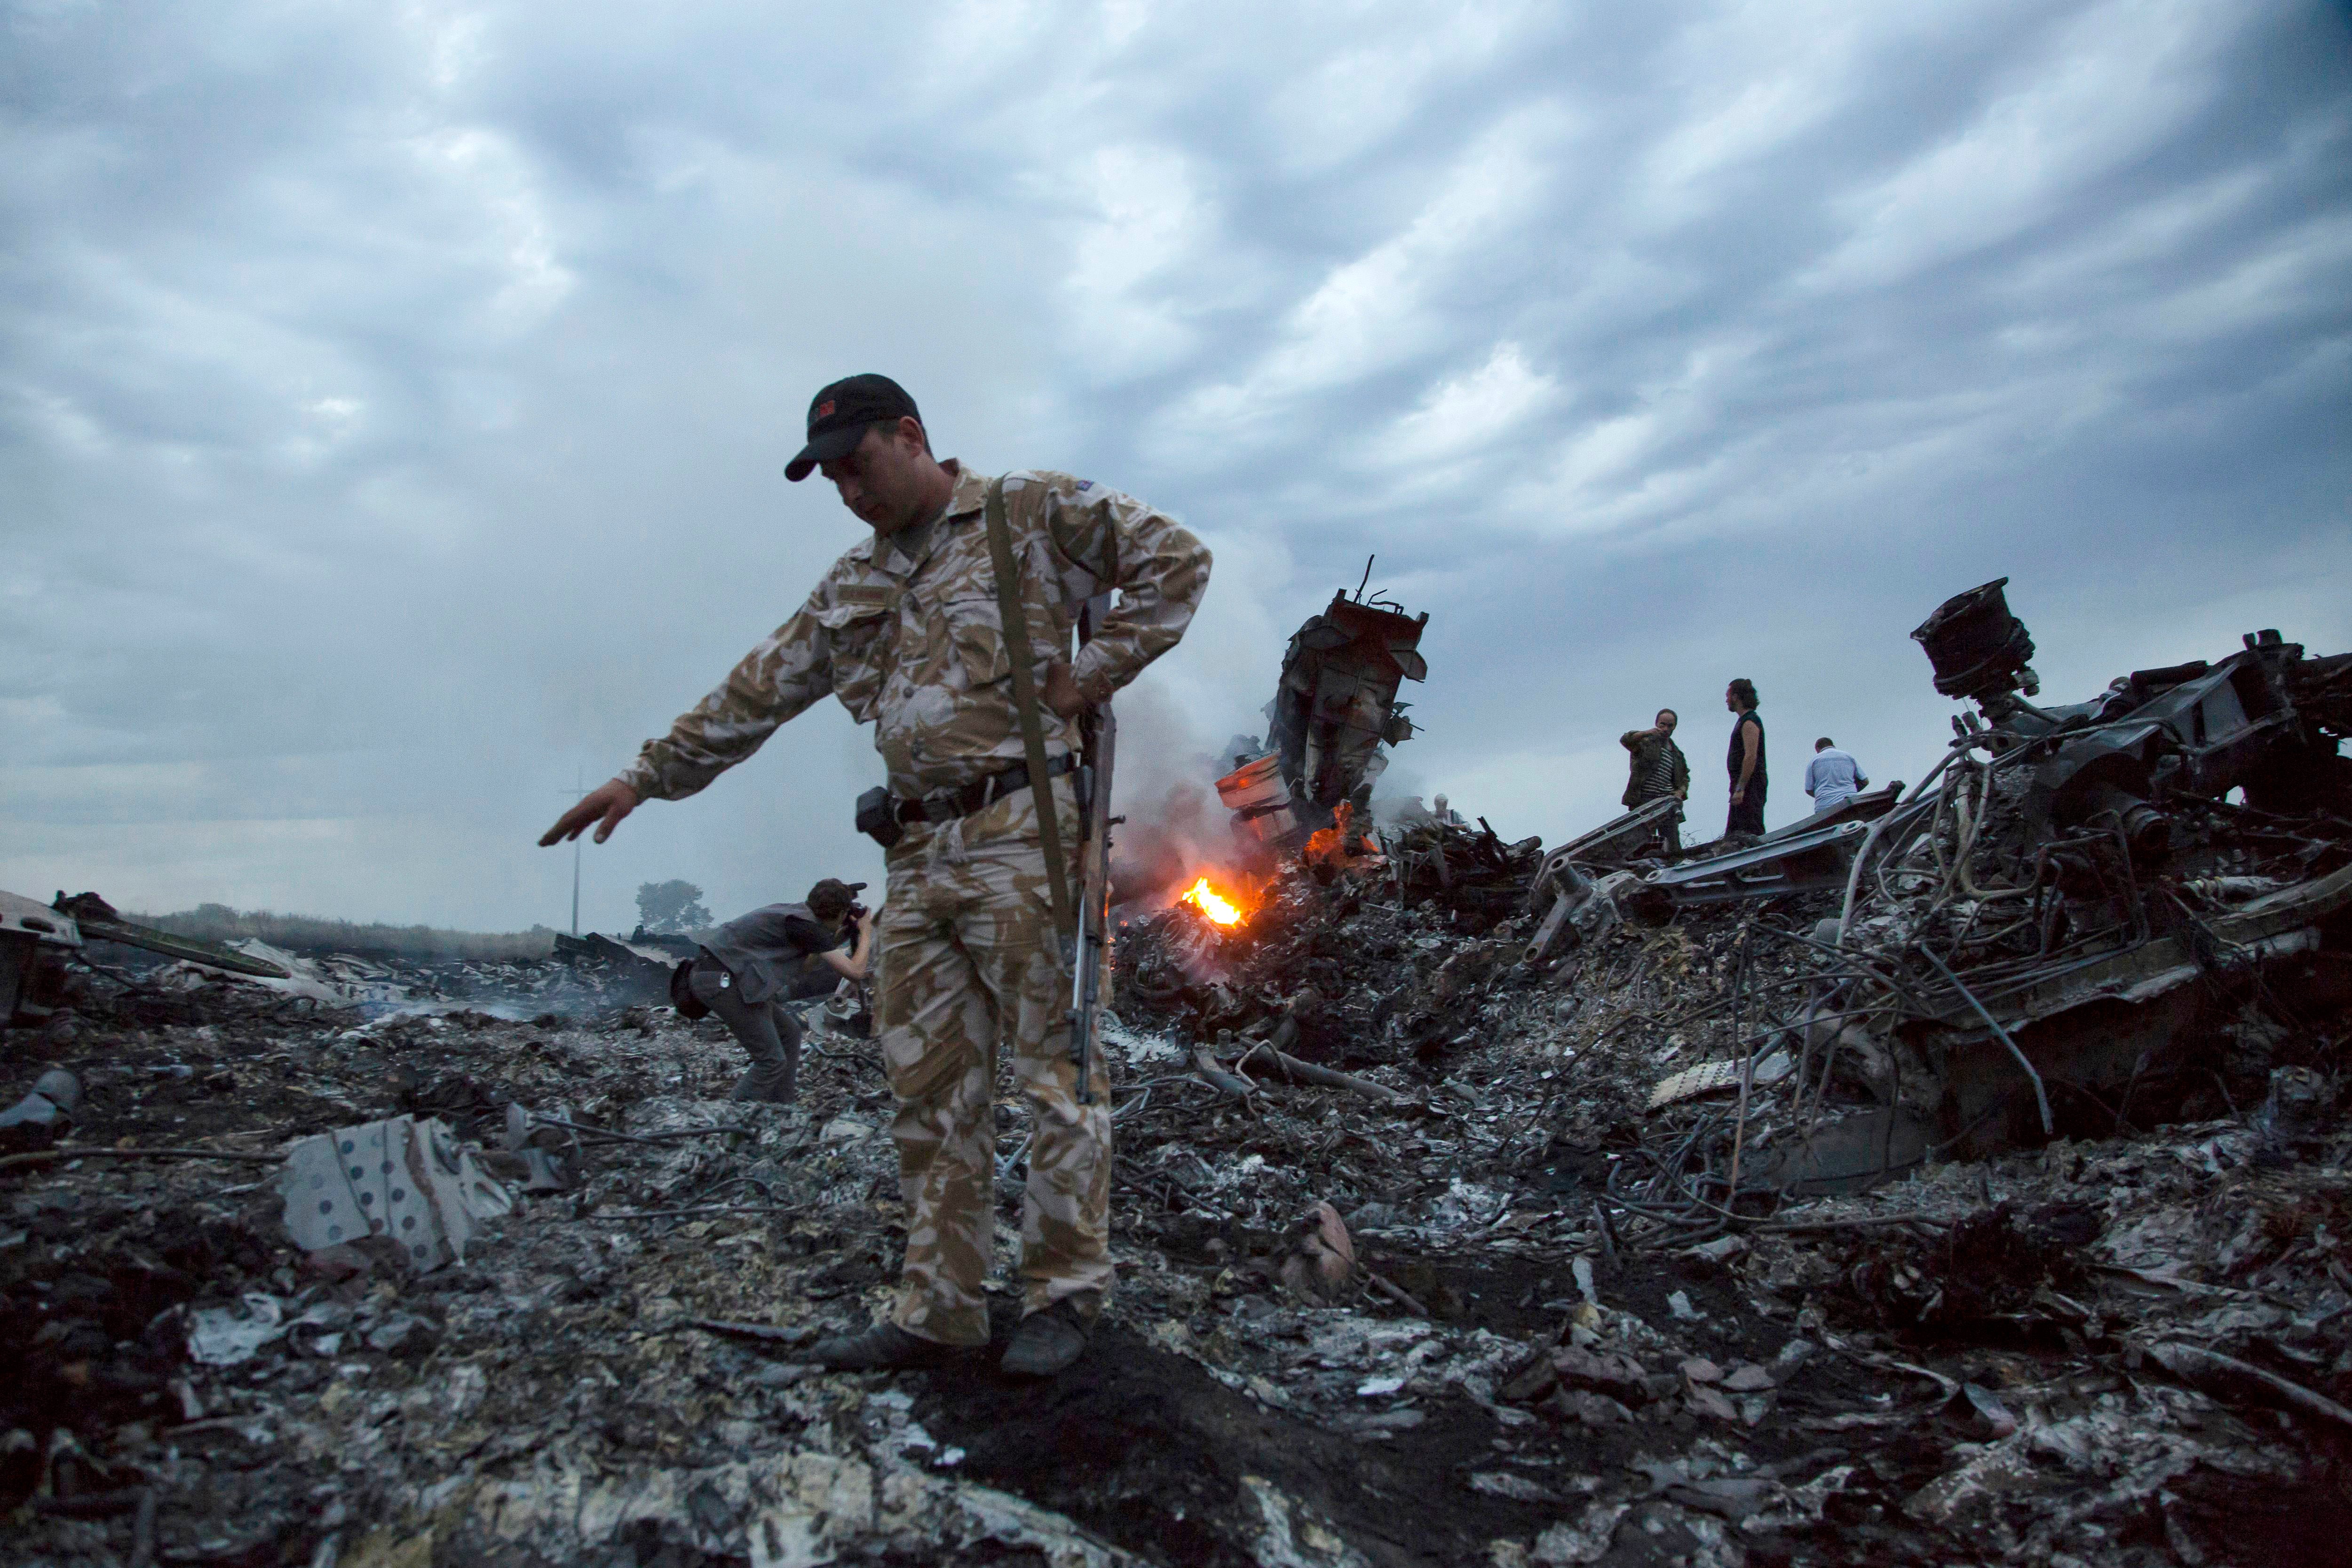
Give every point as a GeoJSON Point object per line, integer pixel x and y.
{"type": "Point", "coordinates": [580, 781]}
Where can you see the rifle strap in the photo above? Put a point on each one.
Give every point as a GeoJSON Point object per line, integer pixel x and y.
{"type": "Point", "coordinates": [1024, 703]}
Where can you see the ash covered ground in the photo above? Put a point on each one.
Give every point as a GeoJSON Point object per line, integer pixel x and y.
{"type": "Point", "coordinates": [1520, 1332]}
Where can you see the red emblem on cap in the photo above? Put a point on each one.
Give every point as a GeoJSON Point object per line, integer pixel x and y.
{"type": "Point", "coordinates": [825, 410]}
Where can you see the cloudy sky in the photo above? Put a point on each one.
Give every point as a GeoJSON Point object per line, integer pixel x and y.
{"type": "Point", "coordinates": [393, 396]}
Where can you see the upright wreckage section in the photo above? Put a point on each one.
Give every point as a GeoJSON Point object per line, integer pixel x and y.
{"type": "Point", "coordinates": [1334, 708]}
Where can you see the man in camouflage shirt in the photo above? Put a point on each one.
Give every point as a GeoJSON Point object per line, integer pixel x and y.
{"type": "Point", "coordinates": [1658, 767]}
{"type": "Point", "coordinates": [906, 630]}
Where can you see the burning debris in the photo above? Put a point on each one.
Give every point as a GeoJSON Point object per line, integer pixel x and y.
{"type": "Point", "coordinates": [1212, 905]}
{"type": "Point", "coordinates": [2065, 931]}
{"type": "Point", "coordinates": [1963, 1178]}
{"type": "Point", "coordinates": [1333, 712]}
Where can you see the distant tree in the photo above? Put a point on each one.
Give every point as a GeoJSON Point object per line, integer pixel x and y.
{"type": "Point", "coordinates": [671, 906]}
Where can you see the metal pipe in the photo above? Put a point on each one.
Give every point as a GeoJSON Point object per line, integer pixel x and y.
{"type": "Point", "coordinates": [1747, 1063]}
{"type": "Point", "coordinates": [587, 1132]}
{"type": "Point", "coordinates": [1862, 855]}
{"type": "Point", "coordinates": [2041, 1095]}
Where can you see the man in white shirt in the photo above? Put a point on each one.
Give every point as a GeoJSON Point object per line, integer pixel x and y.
{"type": "Point", "coordinates": [1832, 778]}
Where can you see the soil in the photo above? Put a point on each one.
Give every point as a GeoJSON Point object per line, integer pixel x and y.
{"type": "Point", "coordinates": [1145, 1448]}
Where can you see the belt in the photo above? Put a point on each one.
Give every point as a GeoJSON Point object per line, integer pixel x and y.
{"type": "Point", "coordinates": [977, 796]}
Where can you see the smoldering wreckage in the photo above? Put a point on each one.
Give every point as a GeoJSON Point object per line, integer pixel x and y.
{"type": "Point", "coordinates": [1957, 1177]}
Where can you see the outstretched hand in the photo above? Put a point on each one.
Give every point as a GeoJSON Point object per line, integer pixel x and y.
{"type": "Point", "coordinates": [604, 806]}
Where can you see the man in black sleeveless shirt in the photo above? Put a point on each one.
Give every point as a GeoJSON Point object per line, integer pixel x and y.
{"type": "Point", "coordinates": [1745, 759]}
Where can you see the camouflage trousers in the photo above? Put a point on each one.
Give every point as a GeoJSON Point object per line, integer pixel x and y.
{"type": "Point", "coordinates": [970, 969]}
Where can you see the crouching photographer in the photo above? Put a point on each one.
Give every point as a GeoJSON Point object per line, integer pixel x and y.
{"type": "Point", "coordinates": [750, 970]}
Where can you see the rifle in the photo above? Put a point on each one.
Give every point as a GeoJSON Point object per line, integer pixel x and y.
{"type": "Point", "coordinates": [1090, 974]}
{"type": "Point", "coordinates": [1085, 942]}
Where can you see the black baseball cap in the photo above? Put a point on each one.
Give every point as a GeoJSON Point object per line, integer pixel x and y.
{"type": "Point", "coordinates": [830, 897]}
{"type": "Point", "coordinates": [838, 416]}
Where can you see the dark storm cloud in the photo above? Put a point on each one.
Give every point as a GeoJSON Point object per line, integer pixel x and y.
{"type": "Point", "coordinates": [392, 398]}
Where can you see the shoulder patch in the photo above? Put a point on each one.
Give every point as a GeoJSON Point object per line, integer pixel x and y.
{"type": "Point", "coordinates": [1085, 484]}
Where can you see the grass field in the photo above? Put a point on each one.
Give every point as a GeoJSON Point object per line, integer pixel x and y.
{"type": "Point", "coordinates": [313, 933]}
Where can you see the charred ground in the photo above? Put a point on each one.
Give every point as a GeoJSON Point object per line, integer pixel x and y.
{"type": "Point", "coordinates": [1530, 1362]}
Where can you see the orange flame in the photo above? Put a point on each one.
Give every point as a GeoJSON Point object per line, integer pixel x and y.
{"type": "Point", "coordinates": [1220, 910]}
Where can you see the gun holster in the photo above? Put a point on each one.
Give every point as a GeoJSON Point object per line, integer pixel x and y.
{"type": "Point", "coordinates": [877, 817]}
{"type": "Point", "coordinates": [681, 993]}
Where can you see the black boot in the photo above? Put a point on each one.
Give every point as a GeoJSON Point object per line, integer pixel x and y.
{"type": "Point", "coordinates": [884, 1346]}
{"type": "Point", "coordinates": [761, 1085]}
{"type": "Point", "coordinates": [1048, 1340]}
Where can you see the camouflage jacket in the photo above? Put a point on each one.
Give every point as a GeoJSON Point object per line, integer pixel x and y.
{"type": "Point", "coordinates": [918, 650]}
{"type": "Point", "coordinates": [1658, 767]}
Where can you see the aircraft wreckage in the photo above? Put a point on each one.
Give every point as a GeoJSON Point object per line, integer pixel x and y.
{"type": "Point", "coordinates": [1959, 1179]}
{"type": "Point", "coordinates": [2069, 896]}
{"type": "Point", "coordinates": [1334, 714]}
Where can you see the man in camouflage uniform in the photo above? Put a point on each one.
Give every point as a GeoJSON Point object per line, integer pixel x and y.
{"type": "Point", "coordinates": [906, 630]}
